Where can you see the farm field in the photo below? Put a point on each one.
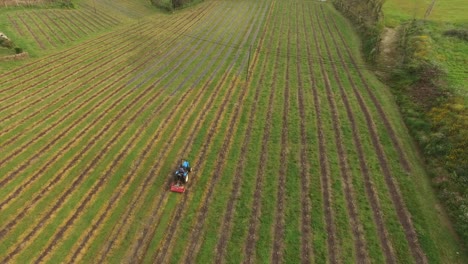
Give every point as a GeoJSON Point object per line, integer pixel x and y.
{"type": "Point", "coordinates": [299, 152]}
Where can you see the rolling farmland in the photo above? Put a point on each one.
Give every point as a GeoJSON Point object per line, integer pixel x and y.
{"type": "Point", "coordinates": [299, 153]}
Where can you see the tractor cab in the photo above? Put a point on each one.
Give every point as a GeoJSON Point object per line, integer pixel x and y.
{"type": "Point", "coordinates": [181, 177]}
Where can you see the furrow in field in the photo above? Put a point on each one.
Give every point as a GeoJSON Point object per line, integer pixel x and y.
{"type": "Point", "coordinates": [306, 232]}
{"type": "Point", "coordinates": [80, 178]}
{"type": "Point", "coordinates": [226, 226]}
{"type": "Point", "coordinates": [277, 253]}
{"type": "Point", "coordinates": [251, 240]}
{"type": "Point", "coordinates": [44, 34]}
{"type": "Point", "coordinates": [31, 32]}
{"type": "Point", "coordinates": [356, 226]}
{"type": "Point", "coordinates": [324, 164]}
{"type": "Point", "coordinates": [52, 32]}
{"type": "Point", "coordinates": [396, 144]}
{"type": "Point", "coordinates": [83, 24]}
{"type": "Point", "coordinates": [57, 25]}
{"type": "Point", "coordinates": [83, 76]}
{"type": "Point", "coordinates": [87, 75]}
{"type": "Point", "coordinates": [402, 213]}
{"type": "Point", "coordinates": [100, 14]}
{"type": "Point", "coordinates": [42, 133]}
{"type": "Point", "coordinates": [17, 27]}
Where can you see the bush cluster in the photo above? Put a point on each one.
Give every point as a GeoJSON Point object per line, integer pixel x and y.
{"type": "Point", "coordinates": [437, 119]}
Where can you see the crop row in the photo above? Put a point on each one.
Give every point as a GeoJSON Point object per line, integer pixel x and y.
{"type": "Point", "coordinates": [50, 29]}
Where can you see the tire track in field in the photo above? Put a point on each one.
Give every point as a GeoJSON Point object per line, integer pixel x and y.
{"type": "Point", "coordinates": [80, 178]}
{"type": "Point", "coordinates": [277, 253]}
{"type": "Point", "coordinates": [402, 213]}
{"type": "Point", "coordinates": [90, 126]}
{"type": "Point", "coordinates": [370, 192]}
{"type": "Point", "coordinates": [360, 246]}
{"type": "Point", "coordinates": [306, 219]}
{"type": "Point", "coordinates": [226, 226]}
{"type": "Point", "coordinates": [324, 165]}
{"type": "Point", "coordinates": [388, 127]}
{"type": "Point", "coordinates": [254, 220]}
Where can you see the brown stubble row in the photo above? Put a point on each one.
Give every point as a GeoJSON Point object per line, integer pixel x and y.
{"type": "Point", "coordinates": [395, 195]}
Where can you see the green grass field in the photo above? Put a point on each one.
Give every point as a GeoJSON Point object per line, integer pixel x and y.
{"type": "Point", "coordinates": [299, 152]}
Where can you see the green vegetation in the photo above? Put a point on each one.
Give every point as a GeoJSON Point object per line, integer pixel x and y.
{"type": "Point", "coordinates": [430, 86]}
{"type": "Point", "coordinates": [299, 153]}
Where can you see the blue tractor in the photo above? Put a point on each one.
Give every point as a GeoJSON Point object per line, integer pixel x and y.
{"type": "Point", "coordinates": [181, 177]}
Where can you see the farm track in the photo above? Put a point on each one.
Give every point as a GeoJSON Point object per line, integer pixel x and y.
{"type": "Point", "coordinates": [403, 214]}
{"type": "Point", "coordinates": [356, 226]}
{"type": "Point", "coordinates": [82, 153]}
